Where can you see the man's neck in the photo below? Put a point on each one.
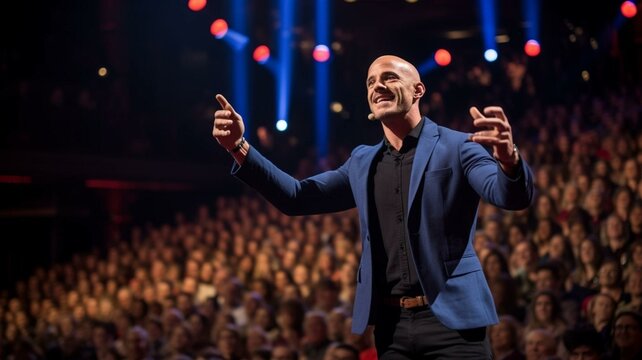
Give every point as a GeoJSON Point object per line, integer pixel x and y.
{"type": "Point", "coordinates": [395, 130]}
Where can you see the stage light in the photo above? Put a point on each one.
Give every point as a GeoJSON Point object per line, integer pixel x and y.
{"type": "Point", "coordinates": [490, 55]}
{"type": "Point", "coordinates": [281, 125]}
{"type": "Point", "coordinates": [629, 9]}
{"type": "Point", "coordinates": [532, 48]}
{"type": "Point", "coordinates": [261, 54]}
{"type": "Point", "coordinates": [336, 107]}
{"type": "Point", "coordinates": [219, 28]}
{"type": "Point", "coordinates": [102, 72]}
{"type": "Point", "coordinates": [196, 5]}
{"type": "Point", "coordinates": [442, 57]}
{"type": "Point", "coordinates": [321, 53]}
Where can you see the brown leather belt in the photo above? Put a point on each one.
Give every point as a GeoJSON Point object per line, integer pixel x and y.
{"type": "Point", "coordinates": [406, 302]}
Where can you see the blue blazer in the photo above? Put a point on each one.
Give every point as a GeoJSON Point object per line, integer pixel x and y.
{"type": "Point", "coordinates": [449, 175]}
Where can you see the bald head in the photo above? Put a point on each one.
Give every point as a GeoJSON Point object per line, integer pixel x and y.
{"type": "Point", "coordinates": [399, 63]}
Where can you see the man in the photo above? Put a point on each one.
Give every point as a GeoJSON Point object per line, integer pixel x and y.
{"type": "Point", "coordinates": [540, 344]}
{"type": "Point", "coordinates": [417, 193]}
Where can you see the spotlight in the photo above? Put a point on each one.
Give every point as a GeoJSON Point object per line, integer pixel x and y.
{"type": "Point", "coordinates": [196, 5]}
{"type": "Point", "coordinates": [532, 48]}
{"type": "Point", "coordinates": [629, 9]}
{"type": "Point", "coordinates": [261, 54]}
{"type": "Point", "coordinates": [281, 125]}
{"type": "Point", "coordinates": [490, 55]}
{"type": "Point", "coordinates": [442, 57]}
{"type": "Point", "coordinates": [321, 53]}
{"type": "Point", "coordinates": [219, 28]}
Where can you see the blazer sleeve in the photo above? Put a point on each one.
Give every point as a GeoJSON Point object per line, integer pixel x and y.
{"type": "Point", "coordinates": [327, 192]}
{"type": "Point", "coordinates": [491, 183]}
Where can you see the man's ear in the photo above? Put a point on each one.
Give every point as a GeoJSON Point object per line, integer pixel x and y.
{"type": "Point", "coordinates": [420, 90]}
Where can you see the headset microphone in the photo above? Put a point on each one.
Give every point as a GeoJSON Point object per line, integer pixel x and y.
{"type": "Point", "coordinates": [371, 117]}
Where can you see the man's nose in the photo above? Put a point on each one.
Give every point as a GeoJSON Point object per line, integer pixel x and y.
{"type": "Point", "coordinates": [378, 85]}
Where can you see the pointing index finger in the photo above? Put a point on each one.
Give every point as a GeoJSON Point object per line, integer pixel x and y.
{"type": "Point", "coordinates": [224, 103]}
{"type": "Point", "coordinates": [475, 113]}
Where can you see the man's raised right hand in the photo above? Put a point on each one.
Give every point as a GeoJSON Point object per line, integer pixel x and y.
{"type": "Point", "coordinates": [228, 125]}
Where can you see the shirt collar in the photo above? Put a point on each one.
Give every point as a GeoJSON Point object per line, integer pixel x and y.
{"type": "Point", "coordinates": [411, 139]}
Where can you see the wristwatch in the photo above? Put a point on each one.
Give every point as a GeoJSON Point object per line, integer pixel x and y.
{"type": "Point", "coordinates": [515, 154]}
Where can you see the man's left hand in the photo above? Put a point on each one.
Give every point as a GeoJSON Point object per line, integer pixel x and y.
{"type": "Point", "coordinates": [497, 133]}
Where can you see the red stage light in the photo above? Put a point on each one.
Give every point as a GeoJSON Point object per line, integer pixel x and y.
{"type": "Point", "coordinates": [532, 48]}
{"type": "Point", "coordinates": [321, 53]}
{"type": "Point", "coordinates": [442, 57]}
{"type": "Point", "coordinates": [629, 9]}
{"type": "Point", "coordinates": [196, 5]}
{"type": "Point", "coordinates": [261, 54]}
{"type": "Point", "coordinates": [219, 28]}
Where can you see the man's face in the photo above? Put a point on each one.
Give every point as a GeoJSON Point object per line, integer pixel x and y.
{"type": "Point", "coordinates": [393, 86]}
{"type": "Point", "coordinates": [539, 346]}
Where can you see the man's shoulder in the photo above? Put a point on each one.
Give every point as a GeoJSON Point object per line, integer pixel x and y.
{"type": "Point", "coordinates": [363, 149]}
{"type": "Point", "coordinates": [431, 128]}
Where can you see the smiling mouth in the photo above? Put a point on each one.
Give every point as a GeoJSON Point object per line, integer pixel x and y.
{"type": "Point", "coordinates": [382, 99]}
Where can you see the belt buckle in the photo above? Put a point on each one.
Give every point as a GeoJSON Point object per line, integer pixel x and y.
{"type": "Point", "coordinates": [402, 301]}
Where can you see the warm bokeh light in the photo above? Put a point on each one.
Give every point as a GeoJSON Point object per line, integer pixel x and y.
{"type": "Point", "coordinates": [321, 53]}
{"type": "Point", "coordinates": [629, 9]}
{"type": "Point", "coordinates": [442, 57]}
{"type": "Point", "coordinates": [219, 28]}
{"type": "Point", "coordinates": [336, 107]}
{"type": "Point", "coordinates": [532, 48]}
{"type": "Point", "coordinates": [102, 72]}
{"type": "Point", "coordinates": [196, 5]}
{"type": "Point", "coordinates": [261, 54]}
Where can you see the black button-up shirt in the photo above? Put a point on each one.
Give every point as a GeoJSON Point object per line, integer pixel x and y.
{"type": "Point", "coordinates": [394, 269]}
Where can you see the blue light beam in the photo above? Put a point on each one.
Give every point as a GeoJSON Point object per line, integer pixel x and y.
{"type": "Point", "coordinates": [487, 11]}
{"type": "Point", "coordinates": [322, 70]}
{"type": "Point", "coordinates": [284, 73]}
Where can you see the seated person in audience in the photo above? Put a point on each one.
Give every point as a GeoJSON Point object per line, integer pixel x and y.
{"type": "Point", "coordinates": [584, 343]}
{"type": "Point", "coordinates": [627, 336]}
{"type": "Point", "coordinates": [504, 339]}
{"type": "Point", "coordinates": [540, 344]}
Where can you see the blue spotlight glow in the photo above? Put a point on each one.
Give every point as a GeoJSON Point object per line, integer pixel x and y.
{"type": "Point", "coordinates": [427, 66]}
{"type": "Point", "coordinates": [487, 11]}
{"type": "Point", "coordinates": [530, 14]}
{"type": "Point", "coordinates": [490, 55]}
{"type": "Point", "coordinates": [235, 39]}
{"type": "Point", "coordinates": [321, 55]}
{"type": "Point", "coordinates": [281, 125]}
{"type": "Point", "coordinates": [240, 64]}
{"type": "Point", "coordinates": [284, 69]}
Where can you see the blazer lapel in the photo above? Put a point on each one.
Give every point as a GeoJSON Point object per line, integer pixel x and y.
{"type": "Point", "coordinates": [425, 147]}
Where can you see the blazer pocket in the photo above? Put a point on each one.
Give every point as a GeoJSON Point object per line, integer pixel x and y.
{"type": "Point", "coordinates": [462, 266]}
{"type": "Point", "coordinates": [439, 173]}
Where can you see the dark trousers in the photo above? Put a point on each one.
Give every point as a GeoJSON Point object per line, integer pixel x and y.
{"type": "Point", "coordinates": [417, 334]}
